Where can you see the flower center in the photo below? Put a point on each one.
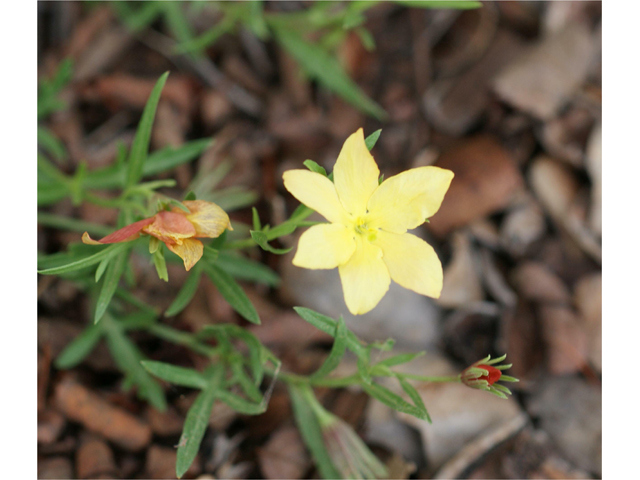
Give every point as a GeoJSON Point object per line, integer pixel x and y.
{"type": "Point", "coordinates": [364, 230]}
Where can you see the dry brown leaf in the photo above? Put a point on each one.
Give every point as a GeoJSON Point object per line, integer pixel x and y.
{"type": "Point", "coordinates": [486, 178]}
{"type": "Point", "coordinates": [284, 455]}
{"type": "Point", "coordinates": [461, 276]}
{"type": "Point", "coordinates": [543, 79]}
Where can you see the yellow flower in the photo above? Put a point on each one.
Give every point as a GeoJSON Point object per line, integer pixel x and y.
{"type": "Point", "coordinates": [177, 229]}
{"type": "Point", "coordinates": [367, 235]}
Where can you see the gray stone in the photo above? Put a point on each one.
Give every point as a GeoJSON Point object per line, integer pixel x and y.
{"type": "Point", "coordinates": [570, 411]}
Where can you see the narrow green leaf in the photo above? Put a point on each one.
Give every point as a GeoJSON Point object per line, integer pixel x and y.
{"type": "Point", "coordinates": [325, 68]}
{"type": "Point", "coordinates": [185, 377]}
{"type": "Point", "coordinates": [86, 262]}
{"type": "Point", "coordinates": [195, 426]}
{"type": "Point", "coordinates": [157, 162]}
{"type": "Point", "coordinates": [250, 388]}
{"type": "Point", "coordinates": [128, 358]}
{"type": "Point", "coordinates": [311, 432]}
{"type": "Point", "coordinates": [451, 4]}
{"type": "Point", "coordinates": [392, 400]}
{"type": "Point", "coordinates": [139, 18]}
{"type": "Point", "coordinates": [50, 143]}
{"type": "Point", "coordinates": [314, 167]}
{"type": "Point", "coordinates": [186, 293]}
{"type": "Point", "coordinates": [261, 239]}
{"type": "Point", "coordinates": [208, 38]}
{"type": "Point", "coordinates": [72, 224]}
{"type": "Point", "coordinates": [372, 139]}
{"type": "Point", "coordinates": [233, 293]}
{"type": "Point", "coordinates": [255, 219]}
{"type": "Point", "coordinates": [337, 351]}
{"type": "Point", "coordinates": [115, 269]}
{"type": "Point", "coordinates": [79, 348]}
{"type": "Point", "coordinates": [399, 359]}
{"type": "Point", "coordinates": [241, 405]}
{"type": "Point", "coordinates": [329, 325]}
{"type": "Point", "coordinates": [364, 367]}
{"type": "Point", "coordinates": [160, 264]}
{"type": "Point", "coordinates": [244, 268]}
{"type": "Point", "coordinates": [140, 147]}
{"type": "Point", "coordinates": [414, 396]}
{"type": "Point", "coordinates": [102, 267]}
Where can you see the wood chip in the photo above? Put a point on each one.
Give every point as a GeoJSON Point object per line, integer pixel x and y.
{"type": "Point", "coordinates": [117, 425]}
{"type": "Point", "coordinates": [94, 459]}
{"type": "Point", "coordinates": [535, 282]}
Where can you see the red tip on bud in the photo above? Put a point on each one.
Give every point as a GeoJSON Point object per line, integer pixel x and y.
{"type": "Point", "coordinates": [492, 377]}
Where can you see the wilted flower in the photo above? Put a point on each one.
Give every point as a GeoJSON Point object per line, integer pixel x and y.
{"type": "Point", "coordinates": [177, 229]}
{"type": "Point", "coordinates": [485, 374]}
{"type": "Point", "coordinates": [349, 454]}
{"type": "Point", "coordinates": [367, 235]}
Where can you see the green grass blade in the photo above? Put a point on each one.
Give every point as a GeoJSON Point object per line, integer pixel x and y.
{"type": "Point", "coordinates": [79, 347]}
{"type": "Point", "coordinates": [311, 432]}
{"type": "Point", "coordinates": [195, 426]}
{"type": "Point", "coordinates": [457, 5]}
{"type": "Point", "coordinates": [186, 293]}
{"type": "Point", "coordinates": [140, 147]}
{"type": "Point", "coordinates": [185, 377]}
{"type": "Point", "coordinates": [128, 358]}
{"type": "Point", "coordinates": [114, 271]}
{"type": "Point", "coordinates": [233, 293]}
{"type": "Point", "coordinates": [324, 67]}
{"type": "Point", "coordinates": [72, 224]}
{"type": "Point", "coordinates": [86, 262]}
{"type": "Point", "coordinates": [50, 143]}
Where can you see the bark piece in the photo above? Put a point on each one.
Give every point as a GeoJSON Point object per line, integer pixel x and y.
{"type": "Point", "coordinates": [535, 282]}
{"type": "Point", "coordinates": [588, 300]}
{"type": "Point", "coordinates": [50, 426]}
{"type": "Point", "coordinates": [542, 80]}
{"type": "Point", "coordinates": [94, 459]}
{"type": "Point", "coordinates": [593, 163]}
{"type": "Point", "coordinates": [81, 405]}
{"type": "Point", "coordinates": [55, 468]}
{"type": "Point", "coordinates": [161, 463]}
{"type": "Point", "coordinates": [565, 339]}
{"type": "Point", "coordinates": [486, 177]}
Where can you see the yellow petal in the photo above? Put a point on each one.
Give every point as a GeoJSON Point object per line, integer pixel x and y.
{"type": "Point", "coordinates": [170, 227]}
{"type": "Point", "coordinates": [317, 192]}
{"type": "Point", "coordinates": [412, 262]}
{"type": "Point", "coordinates": [404, 201]}
{"type": "Point", "coordinates": [365, 278]}
{"type": "Point", "coordinates": [208, 218]}
{"type": "Point", "coordinates": [325, 246]}
{"type": "Point", "coordinates": [190, 251]}
{"type": "Point", "coordinates": [130, 232]}
{"type": "Point", "coordinates": [355, 174]}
